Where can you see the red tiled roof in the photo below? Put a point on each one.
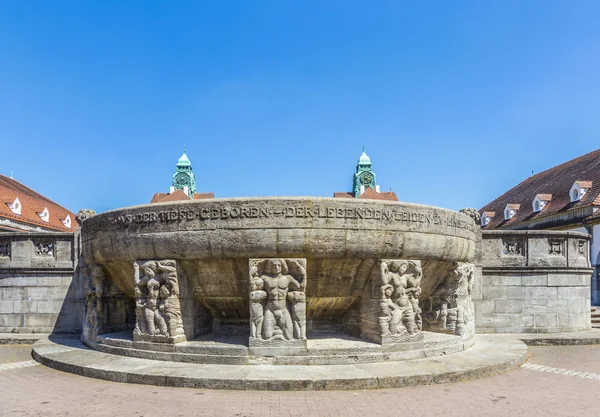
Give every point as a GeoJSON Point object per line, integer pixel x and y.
{"type": "Point", "coordinates": [371, 194]}
{"type": "Point", "coordinates": [556, 181]}
{"type": "Point", "coordinates": [204, 196]}
{"type": "Point", "coordinates": [32, 203]}
{"type": "Point", "coordinates": [584, 184]}
{"type": "Point", "coordinates": [157, 197]}
{"type": "Point", "coordinates": [177, 195]}
{"type": "Point", "coordinates": [342, 195]}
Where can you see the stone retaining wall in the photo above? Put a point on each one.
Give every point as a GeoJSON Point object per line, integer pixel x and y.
{"type": "Point", "coordinates": [38, 293]}
{"type": "Point", "coordinates": [533, 281]}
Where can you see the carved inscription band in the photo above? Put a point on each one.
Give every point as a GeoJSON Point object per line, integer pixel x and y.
{"type": "Point", "coordinates": [226, 212]}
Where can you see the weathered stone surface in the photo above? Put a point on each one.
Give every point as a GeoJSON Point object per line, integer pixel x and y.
{"type": "Point", "coordinates": [554, 275]}
{"type": "Point", "coordinates": [491, 354]}
{"type": "Point", "coordinates": [277, 305]}
{"type": "Point", "coordinates": [390, 312]}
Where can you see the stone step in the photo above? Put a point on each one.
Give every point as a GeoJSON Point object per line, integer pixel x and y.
{"type": "Point", "coordinates": [491, 354]}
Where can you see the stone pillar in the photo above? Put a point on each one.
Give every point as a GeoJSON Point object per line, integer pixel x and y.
{"type": "Point", "coordinates": [277, 306]}
{"type": "Point", "coordinates": [157, 306]}
{"type": "Point", "coordinates": [450, 308]}
{"type": "Point", "coordinates": [95, 317]}
{"type": "Point", "coordinates": [390, 312]}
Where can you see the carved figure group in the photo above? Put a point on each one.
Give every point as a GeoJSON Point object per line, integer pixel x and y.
{"type": "Point", "coordinates": [44, 249]}
{"type": "Point", "coordinates": [399, 297]}
{"type": "Point", "coordinates": [450, 306]}
{"type": "Point", "coordinates": [5, 249]}
{"type": "Point", "coordinates": [277, 299]}
{"type": "Point", "coordinates": [94, 315]}
{"type": "Point", "coordinates": [157, 308]}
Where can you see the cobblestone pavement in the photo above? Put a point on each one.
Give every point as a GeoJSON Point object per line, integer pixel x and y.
{"type": "Point", "coordinates": [535, 389]}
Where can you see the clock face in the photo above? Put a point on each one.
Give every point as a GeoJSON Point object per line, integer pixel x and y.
{"type": "Point", "coordinates": [367, 178]}
{"type": "Point", "coordinates": [182, 179]}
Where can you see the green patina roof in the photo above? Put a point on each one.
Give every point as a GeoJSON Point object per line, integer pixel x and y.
{"type": "Point", "coordinates": [184, 160]}
{"type": "Point", "coordinates": [364, 159]}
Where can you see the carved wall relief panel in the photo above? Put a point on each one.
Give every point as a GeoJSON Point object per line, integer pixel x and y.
{"type": "Point", "coordinates": [513, 247]}
{"type": "Point", "coordinates": [450, 308]}
{"type": "Point", "coordinates": [157, 306]}
{"type": "Point", "coordinates": [95, 318]}
{"type": "Point", "coordinates": [581, 247]}
{"type": "Point", "coordinates": [391, 313]}
{"type": "Point", "coordinates": [556, 246]}
{"type": "Point", "coordinates": [43, 248]}
{"type": "Point", "coordinates": [5, 249]}
{"type": "Point", "coordinates": [277, 300]}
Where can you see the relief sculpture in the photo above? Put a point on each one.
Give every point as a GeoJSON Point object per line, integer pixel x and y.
{"type": "Point", "coordinates": [94, 314]}
{"type": "Point", "coordinates": [394, 303]}
{"type": "Point", "coordinates": [277, 299]}
{"type": "Point", "coordinates": [400, 312]}
{"type": "Point", "coordinates": [157, 306]}
{"type": "Point", "coordinates": [5, 249]}
{"type": "Point", "coordinates": [450, 308]}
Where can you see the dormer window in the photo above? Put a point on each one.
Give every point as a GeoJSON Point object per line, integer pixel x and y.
{"type": "Point", "coordinates": [579, 189]}
{"type": "Point", "coordinates": [67, 221]}
{"type": "Point", "coordinates": [45, 215]}
{"type": "Point", "coordinates": [15, 206]}
{"type": "Point", "coordinates": [540, 201]}
{"type": "Point", "coordinates": [510, 210]}
{"type": "Point", "coordinates": [487, 217]}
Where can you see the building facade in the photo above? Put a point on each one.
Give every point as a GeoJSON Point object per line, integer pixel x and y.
{"type": "Point", "coordinates": [565, 197]}
{"type": "Point", "coordinates": [25, 210]}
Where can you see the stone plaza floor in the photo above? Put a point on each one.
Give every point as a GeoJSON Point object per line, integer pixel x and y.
{"type": "Point", "coordinates": [556, 381]}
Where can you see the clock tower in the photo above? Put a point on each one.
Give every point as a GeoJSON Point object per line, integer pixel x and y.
{"type": "Point", "coordinates": [184, 178]}
{"type": "Point", "coordinates": [364, 177]}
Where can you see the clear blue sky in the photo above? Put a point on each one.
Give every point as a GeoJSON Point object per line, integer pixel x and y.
{"type": "Point", "coordinates": [455, 101]}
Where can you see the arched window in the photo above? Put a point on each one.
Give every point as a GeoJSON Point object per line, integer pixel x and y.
{"type": "Point", "coordinates": [575, 194]}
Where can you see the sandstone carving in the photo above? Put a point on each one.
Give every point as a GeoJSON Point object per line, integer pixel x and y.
{"type": "Point", "coordinates": [400, 312]}
{"type": "Point", "coordinates": [277, 299]}
{"type": "Point", "coordinates": [555, 246]}
{"type": "Point", "coordinates": [472, 213]}
{"type": "Point", "coordinates": [44, 249]}
{"type": "Point", "coordinates": [513, 247]}
{"type": "Point", "coordinates": [94, 314]}
{"type": "Point", "coordinates": [84, 214]}
{"type": "Point", "coordinates": [394, 303]}
{"type": "Point", "coordinates": [450, 307]}
{"type": "Point", "coordinates": [157, 306]}
{"type": "Point", "coordinates": [5, 249]}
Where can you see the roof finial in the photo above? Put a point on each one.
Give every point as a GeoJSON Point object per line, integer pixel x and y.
{"type": "Point", "coordinates": [363, 148]}
{"type": "Point", "coordinates": [11, 175]}
{"type": "Point", "coordinates": [184, 148]}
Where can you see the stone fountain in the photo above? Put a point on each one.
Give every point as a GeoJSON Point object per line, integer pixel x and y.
{"type": "Point", "coordinates": [280, 281]}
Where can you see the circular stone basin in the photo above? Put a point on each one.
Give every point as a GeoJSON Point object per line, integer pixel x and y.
{"type": "Point", "coordinates": [338, 256]}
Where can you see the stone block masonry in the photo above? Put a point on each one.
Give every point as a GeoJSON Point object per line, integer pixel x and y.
{"type": "Point", "coordinates": [38, 291]}
{"type": "Point", "coordinates": [533, 282]}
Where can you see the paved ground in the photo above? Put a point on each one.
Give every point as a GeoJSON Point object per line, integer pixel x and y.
{"type": "Point", "coordinates": [39, 391]}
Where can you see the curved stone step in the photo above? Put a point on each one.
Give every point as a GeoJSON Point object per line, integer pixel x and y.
{"type": "Point", "coordinates": [491, 354]}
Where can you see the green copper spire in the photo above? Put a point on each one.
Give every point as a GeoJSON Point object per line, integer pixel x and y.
{"type": "Point", "coordinates": [184, 178]}
{"type": "Point", "coordinates": [364, 177]}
